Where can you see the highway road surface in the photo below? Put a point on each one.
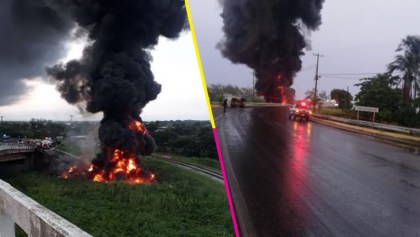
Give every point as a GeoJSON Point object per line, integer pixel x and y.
{"type": "Point", "coordinates": [305, 179]}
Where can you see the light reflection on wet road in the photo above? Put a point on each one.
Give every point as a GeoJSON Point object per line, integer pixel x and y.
{"type": "Point", "coordinates": [305, 179]}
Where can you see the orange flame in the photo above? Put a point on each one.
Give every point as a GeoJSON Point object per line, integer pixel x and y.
{"type": "Point", "coordinates": [70, 171]}
{"type": "Point", "coordinates": [283, 95]}
{"type": "Point", "coordinates": [125, 166]}
{"type": "Point", "coordinates": [138, 127]}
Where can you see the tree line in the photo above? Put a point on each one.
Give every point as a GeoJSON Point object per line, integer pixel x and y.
{"type": "Point", "coordinates": [35, 128]}
{"type": "Point", "coordinates": [217, 91]}
{"type": "Point", "coordinates": [397, 91]}
{"type": "Point", "coordinates": [186, 138]}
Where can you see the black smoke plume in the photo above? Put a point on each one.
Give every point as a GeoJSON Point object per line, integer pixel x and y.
{"type": "Point", "coordinates": [114, 74]}
{"type": "Point", "coordinates": [269, 37]}
{"type": "Point", "coordinates": [31, 38]}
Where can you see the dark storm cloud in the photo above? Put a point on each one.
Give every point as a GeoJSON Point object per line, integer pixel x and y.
{"type": "Point", "coordinates": [31, 37]}
{"type": "Point", "coordinates": [269, 37]}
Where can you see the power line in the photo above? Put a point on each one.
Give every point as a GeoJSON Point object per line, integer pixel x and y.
{"type": "Point", "coordinates": [350, 74]}
{"type": "Point", "coordinates": [346, 78]}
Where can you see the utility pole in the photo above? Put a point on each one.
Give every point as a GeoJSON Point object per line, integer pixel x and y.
{"type": "Point", "coordinates": [71, 118]}
{"type": "Point", "coordinates": [253, 84]}
{"type": "Point", "coordinates": [347, 98]}
{"type": "Point", "coordinates": [317, 55]}
{"type": "Point", "coordinates": [2, 118]}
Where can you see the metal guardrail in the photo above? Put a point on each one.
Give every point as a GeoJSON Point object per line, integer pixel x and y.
{"type": "Point", "coordinates": [392, 128]}
{"type": "Point", "coordinates": [206, 171]}
{"type": "Point", "coordinates": [34, 219]}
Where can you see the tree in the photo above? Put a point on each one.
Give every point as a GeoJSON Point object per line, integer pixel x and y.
{"type": "Point", "coordinates": [188, 138]}
{"type": "Point", "coordinates": [377, 92]}
{"type": "Point", "coordinates": [322, 95]}
{"type": "Point", "coordinates": [217, 92]}
{"type": "Point", "coordinates": [342, 97]}
{"type": "Point", "coordinates": [408, 65]}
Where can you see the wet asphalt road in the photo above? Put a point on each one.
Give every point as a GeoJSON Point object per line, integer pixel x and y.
{"type": "Point", "coordinates": [305, 179]}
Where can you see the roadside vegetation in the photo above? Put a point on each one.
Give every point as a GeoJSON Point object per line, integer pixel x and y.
{"type": "Point", "coordinates": [184, 138]}
{"type": "Point", "coordinates": [71, 147]}
{"type": "Point", "coordinates": [395, 92]}
{"type": "Point", "coordinates": [351, 114]}
{"type": "Point", "coordinates": [181, 203]}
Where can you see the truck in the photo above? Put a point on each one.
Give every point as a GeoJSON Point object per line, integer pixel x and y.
{"type": "Point", "coordinates": [235, 101]}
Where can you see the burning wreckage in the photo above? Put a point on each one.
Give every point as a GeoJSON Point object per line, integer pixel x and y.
{"type": "Point", "coordinates": [114, 77]}
{"type": "Point", "coordinates": [122, 163]}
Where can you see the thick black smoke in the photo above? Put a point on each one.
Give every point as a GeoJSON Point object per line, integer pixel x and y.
{"type": "Point", "coordinates": [114, 74]}
{"type": "Point", "coordinates": [268, 36]}
{"type": "Point", "coordinates": [31, 38]}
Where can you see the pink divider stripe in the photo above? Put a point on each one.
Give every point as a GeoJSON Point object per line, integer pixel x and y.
{"type": "Point", "coordinates": [229, 197]}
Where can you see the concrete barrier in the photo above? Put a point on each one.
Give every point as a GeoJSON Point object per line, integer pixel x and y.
{"type": "Point", "coordinates": [15, 146]}
{"type": "Point", "coordinates": [34, 219]}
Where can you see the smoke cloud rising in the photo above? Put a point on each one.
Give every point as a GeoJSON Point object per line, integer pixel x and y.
{"type": "Point", "coordinates": [269, 37]}
{"type": "Point", "coordinates": [114, 75]}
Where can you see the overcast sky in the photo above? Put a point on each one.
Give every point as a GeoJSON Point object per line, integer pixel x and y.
{"type": "Point", "coordinates": [174, 66]}
{"type": "Point", "coordinates": [356, 36]}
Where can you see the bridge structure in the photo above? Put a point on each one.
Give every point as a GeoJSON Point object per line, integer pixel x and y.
{"type": "Point", "coordinates": [18, 209]}
{"type": "Point", "coordinates": [14, 151]}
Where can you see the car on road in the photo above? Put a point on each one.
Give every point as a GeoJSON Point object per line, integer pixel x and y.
{"type": "Point", "coordinates": [301, 110]}
{"type": "Point", "coordinates": [47, 143]}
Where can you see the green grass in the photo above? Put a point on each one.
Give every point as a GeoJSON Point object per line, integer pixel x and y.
{"type": "Point", "coordinates": [71, 147]}
{"type": "Point", "coordinates": [211, 164]}
{"type": "Point", "coordinates": [182, 203]}
{"type": "Point", "coordinates": [350, 114]}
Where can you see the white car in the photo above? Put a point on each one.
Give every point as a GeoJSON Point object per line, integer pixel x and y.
{"type": "Point", "coordinates": [301, 110]}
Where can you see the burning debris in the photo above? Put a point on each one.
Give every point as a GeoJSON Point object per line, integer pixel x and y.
{"type": "Point", "coordinates": [114, 77]}
{"type": "Point", "coordinates": [115, 164]}
{"type": "Point", "coordinates": [269, 37]}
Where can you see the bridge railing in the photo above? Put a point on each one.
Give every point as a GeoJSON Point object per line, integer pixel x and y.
{"type": "Point", "coordinates": [34, 219]}
{"type": "Point", "coordinates": [10, 146]}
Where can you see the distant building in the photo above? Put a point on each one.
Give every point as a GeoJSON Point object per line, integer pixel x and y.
{"type": "Point", "coordinates": [329, 104]}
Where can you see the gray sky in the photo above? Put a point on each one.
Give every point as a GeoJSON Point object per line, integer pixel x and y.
{"type": "Point", "coordinates": [356, 36]}
{"type": "Point", "coordinates": [174, 66]}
